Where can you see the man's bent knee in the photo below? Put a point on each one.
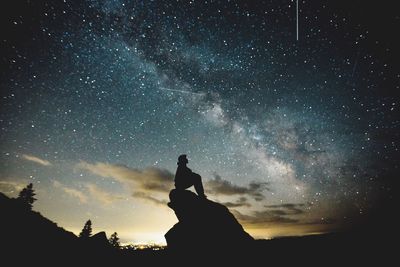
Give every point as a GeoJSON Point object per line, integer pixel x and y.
{"type": "Point", "coordinates": [197, 177]}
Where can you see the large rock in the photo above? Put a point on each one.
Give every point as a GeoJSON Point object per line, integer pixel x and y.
{"type": "Point", "coordinates": [203, 224]}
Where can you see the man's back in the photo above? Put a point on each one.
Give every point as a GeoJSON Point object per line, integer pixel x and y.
{"type": "Point", "coordinates": [183, 177]}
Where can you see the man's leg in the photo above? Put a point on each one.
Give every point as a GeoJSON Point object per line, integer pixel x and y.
{"type": "Point", "coordinates": [198, 185]}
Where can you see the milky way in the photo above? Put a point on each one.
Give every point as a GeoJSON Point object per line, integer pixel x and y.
{"type": "Point", "coordinates": [97, 95]}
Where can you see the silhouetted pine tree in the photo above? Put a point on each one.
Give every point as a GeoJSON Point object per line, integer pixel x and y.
{"type": "Point", "coordinates": [87, 230]}
{"type": "Point", "coordinates": [27, 196]}
{"type": "Point", "coordinates": [114, 240]}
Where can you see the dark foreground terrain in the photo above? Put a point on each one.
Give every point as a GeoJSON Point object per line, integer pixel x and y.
{"type": "Point", "coordinates": [29, 239]}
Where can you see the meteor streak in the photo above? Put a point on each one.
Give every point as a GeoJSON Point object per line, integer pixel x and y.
{"type": "Point", "coordinates": [180, 91]}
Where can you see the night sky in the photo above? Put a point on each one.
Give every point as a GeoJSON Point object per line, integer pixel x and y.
{"type": "Point", "coordinates": [294, 135]}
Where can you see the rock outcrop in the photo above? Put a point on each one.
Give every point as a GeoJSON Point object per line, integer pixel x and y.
{"type": "Point", "coordinates": [203, 225]}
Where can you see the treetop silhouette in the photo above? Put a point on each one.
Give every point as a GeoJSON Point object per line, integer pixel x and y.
{"type": "Point", "coordinates": [114, 240]}
{"type": "Point", "coordinates": [26, 196]}
{"type": "Point", "coordinates": [87, 230]}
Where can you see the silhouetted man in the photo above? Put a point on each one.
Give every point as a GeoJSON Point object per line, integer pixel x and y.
{"type": "Point", "coordinates": [185, 178]}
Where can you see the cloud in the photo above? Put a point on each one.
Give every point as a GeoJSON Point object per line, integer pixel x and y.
{"type": "Point", "coordinates": [82, 197]}
{"type": "Point", "coordinates": [263, 218]}
{"type": "Point", "coordinates": [143, 183]}
{"type": "Point", "coordinates": [11, 187]}
{"type": "Point", "coordinates": [149, 179]}
{"type": "Point", "coordinates": [323, 220]}
{"type": "Point", "coordinates": [145, 196]}
{"type": "Point", "coordinates": [219, 186]}
{"type": "Point", "coordinates": [273, 214]}
{"type": "Point", "coordinates": [284, 214]}
{"type": "Point", "coordinates": [101, 195]}
{"type": "Point", "coordinates": [36, 160]}
{"type": "Point", "coordinates": [285, 209]}
{"type": "Point", "coordinates": [241, 202]}
{"type": "Point", "coordinates": [92, 190]}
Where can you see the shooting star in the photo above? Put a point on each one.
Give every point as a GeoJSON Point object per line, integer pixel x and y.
{"type": "Point", "coordinates": [181, 91]}
{"type": "Point", "coordinates": [297, 20]}
{"type": "Point", "coordinates": [350, 79]}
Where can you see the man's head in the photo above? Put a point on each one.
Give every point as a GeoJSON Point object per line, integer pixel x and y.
{"type": "Point", "coordinates": [182, 160]}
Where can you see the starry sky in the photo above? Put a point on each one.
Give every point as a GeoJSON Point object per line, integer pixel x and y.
{"type": "Point", "coordinates": [296, 130]}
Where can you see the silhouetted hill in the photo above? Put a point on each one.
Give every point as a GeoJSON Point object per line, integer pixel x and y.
{"type": "Point", "coordinates": [28, 233]}
{"type": "Point", "coordinates": [28, 238]}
